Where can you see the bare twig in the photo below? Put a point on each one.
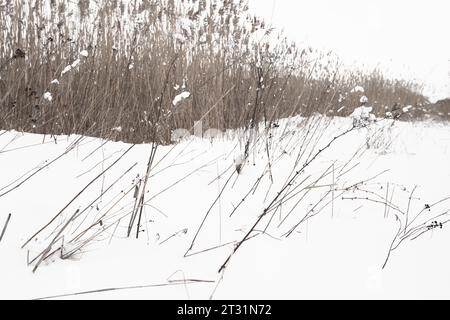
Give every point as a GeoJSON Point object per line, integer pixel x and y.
{"type": "Point", "coordinates": [5, 226]}
{"type": "Point", "coordinates": [169, 283]}
{"type": "Point", "coordinates": [76, 196]}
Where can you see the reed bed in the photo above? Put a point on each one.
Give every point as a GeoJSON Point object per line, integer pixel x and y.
{"type": "Point", "coordinates": [137, 70]}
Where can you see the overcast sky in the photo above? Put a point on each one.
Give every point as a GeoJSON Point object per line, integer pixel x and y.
{"type": "Point", "coordinates": [406, 38]}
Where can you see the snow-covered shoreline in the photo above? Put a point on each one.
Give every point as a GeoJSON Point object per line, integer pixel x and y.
{"type": "Point", "coordinates": [338, 253]}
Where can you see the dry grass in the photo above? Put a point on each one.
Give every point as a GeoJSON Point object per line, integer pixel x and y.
{"type": "Point", "coordinates": [223, 56]}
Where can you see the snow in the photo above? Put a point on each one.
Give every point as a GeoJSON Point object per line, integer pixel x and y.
{"type": "Point", "coordinates": [66, 69]}
{"type": "Point", "coordinates": [407, 108]}
{"type": "Point", "coordinates": [363, 99]}
{"type": "Point", "coordinates": [357, 89]}
{"type": "Point", "coordinates": [84, 53]}
{"type": "Point", "coordinates": [361, 113]}
{"type": "Point", "coordinates": [75, 63]}
{"type": "Point", "coordinates": [47, 96]}
{"type": "Point", "coordinates": [180, 97]}
{"type": "Point", "coordinates": [335, 254]}
{"type": "Point", "coordinates": [54, 81]}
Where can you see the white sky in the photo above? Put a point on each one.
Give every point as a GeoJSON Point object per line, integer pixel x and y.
{"type": "Point", "coordinates": [407, 39]}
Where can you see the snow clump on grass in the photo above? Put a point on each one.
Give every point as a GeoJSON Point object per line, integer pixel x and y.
{"type": "Point", "coordinates": [47, 96]}
{"type": "Point", "coordinates": [357, 89]}
{"type": "Point", "coordinates": [75, 63]}
{"type": "Point", "coordinates": [66, 69]}
{"type": "Point", "coordinates": [363, 100]}
{"type": "Point", "coordinates": [362, 116]}
{"type": "Point", "coordinates": [407, 108]}
{"type": "Point", "coordinates": [182, 96]}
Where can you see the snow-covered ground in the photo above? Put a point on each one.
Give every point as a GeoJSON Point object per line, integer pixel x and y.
{"type": "Point", "coordinates": [338, 252]}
